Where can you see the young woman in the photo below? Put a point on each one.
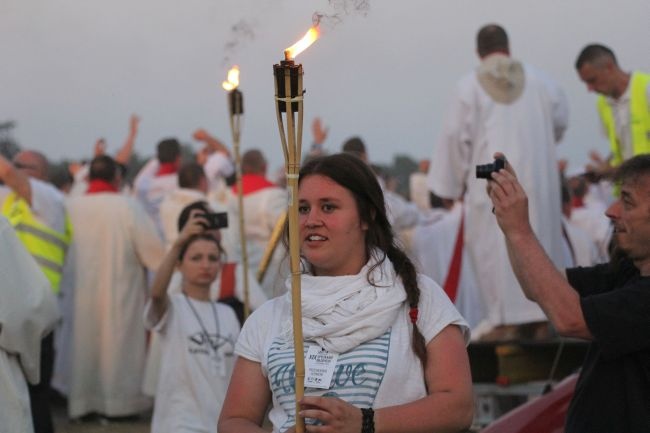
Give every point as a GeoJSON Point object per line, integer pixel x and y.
{"type": "Point", "coordinates": [197, 334]}
{"type": "Point", "coordinates": [382, 337]}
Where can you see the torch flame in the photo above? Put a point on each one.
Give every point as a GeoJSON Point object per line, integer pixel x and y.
{"type": "Point", "coordinates": [304, 43]}
{"type": "Point", "coordinates": [233, 79]}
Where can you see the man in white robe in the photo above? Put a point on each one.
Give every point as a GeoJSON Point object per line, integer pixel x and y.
{"type": "Point", "coordinates": [114, 241]}
{"type": "Point", "coordinates": [157, 178]}
{"type": "Point", "coordinates": [192, 186]}
{"type": "Point", "coordinates": [503, 105]}
{"type": "Point", "coordinates": [264, 204]}
{"type": "Point", "coordinates": [28, 312]}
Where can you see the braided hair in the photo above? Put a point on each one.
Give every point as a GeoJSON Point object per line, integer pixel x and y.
{"type": "Point", "coordinates": [355, 176]}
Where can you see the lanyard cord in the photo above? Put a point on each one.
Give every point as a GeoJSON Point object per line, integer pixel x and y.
{"type": "Point", "coordinates": [214, 346]}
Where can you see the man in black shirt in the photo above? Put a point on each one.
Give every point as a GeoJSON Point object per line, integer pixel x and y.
{"type": "Point", "coordinates": [607, 304]}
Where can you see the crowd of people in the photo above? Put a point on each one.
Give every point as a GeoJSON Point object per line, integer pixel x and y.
{"type": "Point", "coordinates": [150, 282]}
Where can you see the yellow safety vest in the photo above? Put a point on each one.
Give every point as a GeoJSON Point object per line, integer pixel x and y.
{"type": "Point", "coordinates": [639, 119]}
{"type": "Point", "coordinates": [47, 246]}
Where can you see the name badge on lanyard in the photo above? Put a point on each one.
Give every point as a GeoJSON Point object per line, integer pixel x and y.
{"type": "Point", "coordinates": [319, 367]}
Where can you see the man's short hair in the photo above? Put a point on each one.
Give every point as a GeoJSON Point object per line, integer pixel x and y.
{"type": "Point", "coordinates": [355, 146]}
{"type": "Point", "coordinates": [60, 177]}
{"type": "Point", "coordinates": [253, 162]}
{"type": "Point", "coordinates": [169, 150]}
{"type": "Point", "coordinates": [490, 39]}
{"type": "Point", "coordinates": [594, 54]}
{"type": "Point", "coordinates": [103, 167]}
{"type": "Point", "coordinates": [633, 168]}
{"type": "Point", "coordinates": [190, 175]}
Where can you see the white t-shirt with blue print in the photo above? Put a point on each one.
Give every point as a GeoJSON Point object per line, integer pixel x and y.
{"type": "Point", "coordinates": [378, 373]}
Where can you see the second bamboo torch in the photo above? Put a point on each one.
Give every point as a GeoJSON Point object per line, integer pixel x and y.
{"type": "Point", "coordinates": [236, 110]}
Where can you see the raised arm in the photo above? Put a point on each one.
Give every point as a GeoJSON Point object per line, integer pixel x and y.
{"type": "Point", "coordinates": [319, 135]}
{"type": "Point", "coordinates": [159, 298]}
{"type": "Point", "coordinates": [15, 179]}
{"type": "Point", "coordinates": [123, 155]}
{"type": "Point", "coordinates": [540, 280]}
{"type": "Point", "coordinates": [211, 142]}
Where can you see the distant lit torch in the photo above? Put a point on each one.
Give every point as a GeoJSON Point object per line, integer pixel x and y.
{"type": "Point", "coordinates": [289, 100]}
{"type": "Point", "coordinates": [236, 109]}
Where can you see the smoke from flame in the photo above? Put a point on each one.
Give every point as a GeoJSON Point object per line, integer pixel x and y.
{"type": "Point", "coordinates": [240, 34]}
{"type": "Point", "coordinates": [246, 29]}
{"type": "Point", "coordinates": [340, 9]}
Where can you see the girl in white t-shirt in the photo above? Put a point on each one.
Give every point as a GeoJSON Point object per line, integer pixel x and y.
{"type": "Point", "coordinates": [197, 334]}
{"type": "Point", "coordinates": [384, 346]}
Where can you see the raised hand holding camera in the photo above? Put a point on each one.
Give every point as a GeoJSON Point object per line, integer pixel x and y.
{"type": "Point", "coordinates": [215, 220]}
{"type": "Point", "coordinates": [508, 198]}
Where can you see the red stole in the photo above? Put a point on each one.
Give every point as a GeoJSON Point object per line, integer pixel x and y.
{"type": "Point", "coordinates": [252, 183]}
{"type": "Point", "coordinates": [577, 202]}
{"type": "Point", "coordinates": [167, 168]}
{"type": "Point", "coordinates": [453, 275]}
{"type": "Point", "coordinates": [99, 185]}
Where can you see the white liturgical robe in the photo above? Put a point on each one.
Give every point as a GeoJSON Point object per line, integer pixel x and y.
{"type": "Point", "coordinates": [526, 132]}
{"type": "Point", "coordinates": [114, 241]}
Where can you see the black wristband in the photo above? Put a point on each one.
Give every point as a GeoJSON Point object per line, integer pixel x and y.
{"type": "Point", "coordinates": [368, 420]}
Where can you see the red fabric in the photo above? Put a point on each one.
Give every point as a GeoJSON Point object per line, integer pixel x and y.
{"type": "Point", "coordinates": [98, 185]}
{"type": "Point", "coordinates": [577, 202]}
{"type": "Point", "coordinates": [413, 314]}
{"type": "Point", "coordinates": [453, 275]}
{"type": "Point", "coordinates": [167, 168]}
{"type": "Point", "coordinates": [253, 183]}
{"type": "Point", "coordinates": [227, 288]}
{"type": "Point", "coordinates": [546, 413]}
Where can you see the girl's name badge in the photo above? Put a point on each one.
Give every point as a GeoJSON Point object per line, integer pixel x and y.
{"type": "Point", "coordinates": [320, 367]}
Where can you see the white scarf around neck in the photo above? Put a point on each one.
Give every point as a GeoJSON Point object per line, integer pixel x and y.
{"type": "Point", "coordinates": [339, 313]}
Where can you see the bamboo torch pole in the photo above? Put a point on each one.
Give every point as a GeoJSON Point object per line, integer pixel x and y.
{"type": "Point", "coordinates": [271, 246]}
{"type": "Point", "coordinates": [236, 109]}
{"type": "Point", "coordinates": [289, 100]}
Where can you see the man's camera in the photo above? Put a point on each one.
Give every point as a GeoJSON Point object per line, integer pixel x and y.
{"type": "Point", "coordinates": [484, 171]}
{"type": "Point", "coordinates": [215, 220]}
